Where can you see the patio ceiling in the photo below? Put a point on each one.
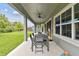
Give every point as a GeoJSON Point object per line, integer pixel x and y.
{"type": "Point", "coordinates": [39, 12]}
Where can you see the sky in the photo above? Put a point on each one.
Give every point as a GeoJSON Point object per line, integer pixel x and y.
{"type": "Point", "coordinates": [12, 14]}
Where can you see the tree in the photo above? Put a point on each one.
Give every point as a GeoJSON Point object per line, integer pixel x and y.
{"type": "Point", "coordinates": [3, 21]}
{"type": "Point", "coordinates": [18, 26]}
{"type": "Point", "coordinates": [6, 26]}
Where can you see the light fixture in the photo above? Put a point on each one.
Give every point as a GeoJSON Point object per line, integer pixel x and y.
{"type": "Point", "coordinates": [39, 15]}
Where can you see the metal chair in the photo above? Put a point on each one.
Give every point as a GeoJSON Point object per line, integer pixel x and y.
{"type": "Point", "coordinates": [33, 34]}
{"type": "Point", "coordinates": [32, 40]}
{"type": "Point", "coordinates": [38, 43]}
{"type": "Point", "coordinates": [46, 41]}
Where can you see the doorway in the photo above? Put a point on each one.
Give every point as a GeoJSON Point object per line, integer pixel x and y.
{"type": "Point", "coordinates": [49, 31]}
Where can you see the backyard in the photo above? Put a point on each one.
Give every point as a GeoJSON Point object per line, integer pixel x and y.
{"type": "Point", "coordinates": [11, 29]}
{"type": "Point", "coordinates": [9, 41]}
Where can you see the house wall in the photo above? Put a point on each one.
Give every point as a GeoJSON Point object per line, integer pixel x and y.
{"type": "Point", "coordinates": [69, 45]}
{"type": "Point", "coordinates": [40, 26]}
{"type": "Point", "coordinates": [66, 43]}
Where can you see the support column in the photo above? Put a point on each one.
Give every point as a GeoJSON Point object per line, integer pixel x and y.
{"type": "Point", "coordinates": [25, 29]}
{"type": "Point", "coordinates": [35, 28]}
{"type": "Point", "coordinates": [60, 26]}
{"type": "Point", "coordinates": [73, 25]}
{"type": "Point", "coordinates": [52, 28]}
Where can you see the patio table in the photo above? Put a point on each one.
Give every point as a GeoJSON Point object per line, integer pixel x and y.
{"type": "Point", "coordinates": [45, 39]}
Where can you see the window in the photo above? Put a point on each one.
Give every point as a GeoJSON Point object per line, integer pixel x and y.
{"type": "Point", "coordinates": [66, 30]}
{"type": "Point", "coordinates": [57, 25]}
{"type": "Point", "coordinates": [76, 14]}
{"type": "Point", "coordinates": [76, 11]}
{"type": "Point", "coordinates": [66, 16]}
{"type": "Point", "coordinates": [57, 29]}
{"type": "Point", "coordinates": [66, 23]}
{"type": "Point", "coordinates": [77, 30]}
{"type": "Point", "coordinates": [58, 20]}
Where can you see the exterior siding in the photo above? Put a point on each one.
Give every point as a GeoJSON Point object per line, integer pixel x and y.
{"type": "Point", "coordinates": [74, 50]}
{"type": "Point", "coordinates": [66, 45]}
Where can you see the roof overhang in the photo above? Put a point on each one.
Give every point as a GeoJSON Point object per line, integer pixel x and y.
{"type": "Point", "coordinates": [32, 10]}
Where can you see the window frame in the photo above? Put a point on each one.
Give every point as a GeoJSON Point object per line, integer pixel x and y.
{"type": "Point", "coordinates": [57, 24]}
{"type": "Point", "coordinates": [67, 22]}
{"type": "Point", "coordinates": [64, 18]}
{"type": "Point", "coordinates": [72, 22]}
{"type": "Point", "coordinates": [64, 23]}
{"type": "Point", "coordinates": [76, 20]}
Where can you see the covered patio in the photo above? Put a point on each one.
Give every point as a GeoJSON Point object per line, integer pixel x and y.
{"type": "Point", "coordinates": [57, 20]}
{"type": "Point", "coordinates": [25, 50]}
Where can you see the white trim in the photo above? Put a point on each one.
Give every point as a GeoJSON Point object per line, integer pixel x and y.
{"type": "Point", "coordinates": [76, 21]}
{"type": "Point", "coordinates": [73, 25]}
{"type": "Point", "coordinates": [57, 24]}
{"type": "Point", "coordinates": [25, 29]}
{"type": "Point", "coordinates": [66, 23]}
{"type": "Point", "coordinates": [54, 30]}
{"type": "Point", "coordinates": [60, 26]}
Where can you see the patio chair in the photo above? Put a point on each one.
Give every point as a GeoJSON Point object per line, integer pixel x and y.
{"type": "Point", "coordinates": [38, 43]}
{"type": "Point", "coordinates": [33, 34]}
{"type": "Point", "coordinates": [46, 41]}
{"type": "Point", "coordinates": [32, 40]}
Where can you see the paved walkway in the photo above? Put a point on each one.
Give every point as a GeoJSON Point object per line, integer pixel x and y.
{"type": "Point", "coordinates": [25, 50]}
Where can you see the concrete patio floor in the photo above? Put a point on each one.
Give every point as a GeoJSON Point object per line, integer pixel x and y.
{"type": "Point", "coordinates": [25, 50]}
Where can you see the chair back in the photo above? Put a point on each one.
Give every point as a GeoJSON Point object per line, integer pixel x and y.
{"type": "Point", "coordinates": [31, 37]}
{"type": "Point", "coordinates": [39, 37]}
{"type": "Point", "coordinates": [33, 34]}
{"type": "Point", "coordinates": [45, 37]}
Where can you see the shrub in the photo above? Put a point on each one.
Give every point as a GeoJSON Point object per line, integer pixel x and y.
{"type": "Point", "coordinates": [9, 29]}
{"type": "Point", "coordinates": [2, 30]}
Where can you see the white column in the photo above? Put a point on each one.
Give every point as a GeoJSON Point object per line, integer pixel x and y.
{"type": "Point", "coordinates": [52, 28]}
{"type": "Point", "coordinates": [60, 25]}
{"type": "Point", "coordinates": [25, 29]}
{"type": "Point", "coordinates": [73, 25]}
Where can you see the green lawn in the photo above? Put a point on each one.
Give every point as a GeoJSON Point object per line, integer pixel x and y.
{"type": "Point", "coordinates": [9, 41]}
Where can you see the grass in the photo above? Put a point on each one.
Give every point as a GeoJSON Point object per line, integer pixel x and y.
{"type": "Point", "coordinates": [9, 41]}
